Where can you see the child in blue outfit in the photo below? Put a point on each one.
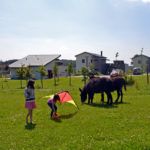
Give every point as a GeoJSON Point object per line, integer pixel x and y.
{"type": "Point", "coordinates": [52, 104]}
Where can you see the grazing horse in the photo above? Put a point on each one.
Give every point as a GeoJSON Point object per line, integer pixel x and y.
{"type": "Point", "coordinates": [117, 83]}
{"type": "Point", "coordinates": [96, 85]}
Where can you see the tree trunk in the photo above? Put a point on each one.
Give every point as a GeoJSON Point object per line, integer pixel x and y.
{"type": "Point", "coordinates": [21, 83]}
{"type": "Point", "coordinates": [42, 82]}
{"type": "Point", "coordinates": [147, 76]}
{"type": "Point", "coordinates": [70, 80]}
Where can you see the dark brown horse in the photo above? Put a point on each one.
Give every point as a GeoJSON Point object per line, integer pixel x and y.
{"type": "Point", "coordinates": [96, 85]}
{"type": "Point", "coordinates": [103, 85]}
{"type": "Point", "coordinates": [117, 84]}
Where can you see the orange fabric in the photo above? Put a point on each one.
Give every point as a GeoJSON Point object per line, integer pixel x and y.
{"type": "Point", "coordinates": [64, 97]}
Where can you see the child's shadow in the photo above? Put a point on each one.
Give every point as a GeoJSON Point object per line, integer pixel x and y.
{"type": "Point", "coordinates": [68, 116]}
{"type": "Point", "coordinates": [30, 126]}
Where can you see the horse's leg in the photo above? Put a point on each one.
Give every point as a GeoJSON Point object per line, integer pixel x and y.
{"type": "Point", "coordinates": [88, 98]}
{"type": "Point", "coordinates": [118, 95]}
{"type": "Point", "coordinates": [102, 97]}
{"type": "Point", "coordinates": [111, 99]}
{"type": "Point", "coordinates": [92, 97]}
{"type": "Point", "coordinates": [121, 95]}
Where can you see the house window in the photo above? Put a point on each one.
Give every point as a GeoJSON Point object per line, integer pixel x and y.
{"type": "Point", "coordinates": [59, 63]}
{"type": "Point", "coordinates": [83, 60]}
{"type": "Point", "coordinates": [95, 60]}
{"type": "Point", "coordinates": [139, 61]}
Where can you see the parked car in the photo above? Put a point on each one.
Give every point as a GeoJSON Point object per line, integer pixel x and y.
{"type": "Point", "coordinates": [137, 71]}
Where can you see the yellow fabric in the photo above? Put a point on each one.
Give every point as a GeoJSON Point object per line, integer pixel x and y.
{"type": "Point", "coordinates": [70, 101]}
{"type": "Point", "coordinates": [48, 96]}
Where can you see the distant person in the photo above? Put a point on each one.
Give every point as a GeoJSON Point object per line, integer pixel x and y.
{"type": "Point", "coordinates": [115, 73]}
{"type": "Point", "coordinates": [52, 104]}
{"type": "Point", "coordinates": [29, 100]}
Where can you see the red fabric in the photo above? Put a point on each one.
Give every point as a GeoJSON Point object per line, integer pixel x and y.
{"type": "Point", "coordinates": [64, 97]}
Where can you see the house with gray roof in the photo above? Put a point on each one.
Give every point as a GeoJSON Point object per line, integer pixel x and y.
{"type": "Point", "coordinates": [141, 61]}
{"type": "Point", "coordinates": [34, 61]}
{"type": "Point", "coordinates": [63, 66]}
{"type": "Point", "coordinates": [87, 59]}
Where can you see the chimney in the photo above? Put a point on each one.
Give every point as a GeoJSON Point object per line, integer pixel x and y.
{"type": "Point", "coordinates": [101, 53]}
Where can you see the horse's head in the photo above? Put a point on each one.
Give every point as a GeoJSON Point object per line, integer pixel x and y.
{"type": "Point", "coordinates": [83, 95]}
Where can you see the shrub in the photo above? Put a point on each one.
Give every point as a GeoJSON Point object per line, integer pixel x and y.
{"type": "Point", "coordinates": [129, 80]}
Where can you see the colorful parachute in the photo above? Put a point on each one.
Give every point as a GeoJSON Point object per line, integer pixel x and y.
{"type": "Point", "coordinates": [64, 97]}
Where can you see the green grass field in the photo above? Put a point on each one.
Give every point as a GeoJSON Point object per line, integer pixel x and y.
{"type": "Point", "coordinates": [93, 127]}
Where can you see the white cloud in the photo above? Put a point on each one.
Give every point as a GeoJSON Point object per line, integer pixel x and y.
{"type": "Point", "coordinates": [16, 48]}
{"type": "Point", "coordinates": [144, 1]}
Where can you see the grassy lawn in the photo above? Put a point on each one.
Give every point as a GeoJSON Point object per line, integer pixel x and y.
{"type": "Point", "coordinates": [93, 127]}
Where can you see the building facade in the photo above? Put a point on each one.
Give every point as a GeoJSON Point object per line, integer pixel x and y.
{"type": "Point", "coordinates": [34, 62]}
{"type": "Point", "coordinates": [141, 61]}
{"type": "Point", "coordinates": [88, 60]}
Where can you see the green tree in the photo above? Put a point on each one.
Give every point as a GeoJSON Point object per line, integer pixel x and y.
{"type": "Point", "coordinates": [28, 73]}
{"type": "Point", "coordinates": [85, 73]}
{"type": "Point", "coordinates": [21, 74]}
{"type": "Point", "coordinates": [92, 71]}
{"type": "Point", "coordinates": [43, 73]}
{"type": "Point", "coordinates": [70, 71]}
{"type": "Point", "coordinates": [55, 73]}
{"type": "Point", "coordinates": [4, 80]}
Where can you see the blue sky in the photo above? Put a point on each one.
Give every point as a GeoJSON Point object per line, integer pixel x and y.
{"type": "Point", "coordinates": [69, 27]}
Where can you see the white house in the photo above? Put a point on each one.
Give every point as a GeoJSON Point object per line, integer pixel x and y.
{"type": "Point", "coordinates": [140, 61]}
{"type": "Point", "coordinates": [34, 61]}
{"type": "Point", "coordinates": [87, 59]}
{"type": "Point", "coordinates": [63, 66]}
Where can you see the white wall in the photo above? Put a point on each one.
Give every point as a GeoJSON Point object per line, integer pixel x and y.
{"type": "Point", "coordinates": [13, 73]}
{"type": "Point", "coordinates": [143, 61]}
{"type": "Point", "coordinates": [79, 58]}
{"type": "Point", "coordinates": [61, 70]}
